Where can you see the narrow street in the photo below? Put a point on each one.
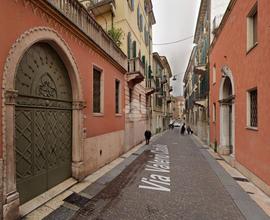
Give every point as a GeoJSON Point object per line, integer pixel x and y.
{"type": "Point", "coordinates": [173, 180]}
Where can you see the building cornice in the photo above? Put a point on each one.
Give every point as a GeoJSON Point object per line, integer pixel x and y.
{"type": "Point", "coordinates": [53, 13]}
{"type": "Point", "coordinates": [222, 23]}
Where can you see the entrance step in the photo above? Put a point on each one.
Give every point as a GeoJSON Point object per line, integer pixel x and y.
{"type": "Point", "coordinates": [45, 197]}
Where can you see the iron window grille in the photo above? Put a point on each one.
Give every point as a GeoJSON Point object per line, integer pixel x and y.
{"type": "Point", "coordinates": [253, 108]}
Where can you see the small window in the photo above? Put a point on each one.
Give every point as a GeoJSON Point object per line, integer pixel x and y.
{"type": "Point", "coordinates": [117, 96]}
{"type": "Point", "coordinates": [252, 28]}
{"type": "Point", "coordinates": [214, 74]}
{"type": "Point", "coordinates": [252, 115]}
{"type": "Point", "coordinates": [97, 91]}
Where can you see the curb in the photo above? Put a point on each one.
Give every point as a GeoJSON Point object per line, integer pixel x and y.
{"type": "Point", "coordinates": [242, 200]}
{"type": "Point", "coordinates": [77, 200]}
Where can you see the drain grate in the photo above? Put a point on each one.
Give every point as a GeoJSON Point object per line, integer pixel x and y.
{"type": "Point", "coordinates": [241, 179]}
{"type": "Point", "coordinates": [76, 199]}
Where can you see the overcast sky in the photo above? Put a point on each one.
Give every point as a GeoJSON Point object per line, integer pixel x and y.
{"type": "Point", "coordinates": [175, 20]}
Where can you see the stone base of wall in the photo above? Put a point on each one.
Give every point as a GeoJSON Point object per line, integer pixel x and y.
{"type": "Point", "coordinates": [134, 133]}
{"type": "Point", "coordinates": [246, 172]}
{"type": "Point", "coordinates": [252, 177]}
{"type": "Point", "coordinates": [100, 150]}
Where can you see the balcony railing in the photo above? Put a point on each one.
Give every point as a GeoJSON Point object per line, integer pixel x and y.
{"type": "Point", "coordinates": [79, 16]}
{"type": "Point", "coordinates": [150, 86]}
{"type": "Point", "coordinates": [135, 65]}
{"type": "Point", "coordinates": [135, 71]}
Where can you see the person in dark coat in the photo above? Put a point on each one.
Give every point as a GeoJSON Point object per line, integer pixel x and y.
{"type": "Point", "coordinates": [147, 135]}
{"type": "Point", "coordinates": [183, 129]}
{"type": "Point", "coordinates": [189, 131]}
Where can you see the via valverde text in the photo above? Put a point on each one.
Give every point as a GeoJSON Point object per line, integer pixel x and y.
{"type": "Point", "coordinates": [159, 170]}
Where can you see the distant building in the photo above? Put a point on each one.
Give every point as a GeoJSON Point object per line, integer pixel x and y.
{"type": "Point", "coordinates": [178, 107]}
{"type": "Point", "coordinates": [161, 98]}
{"type": "Point", "coordinates": [196, 78]}
{"type": "Point", "coordinates": [239, 89]}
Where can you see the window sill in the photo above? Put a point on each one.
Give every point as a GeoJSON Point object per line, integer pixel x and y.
{"type": "Point", "coordinates": [252, 47]}
{"type": "Point", "coordinates": [252, 128]}
{"type": "Point", "coordinates": [118, 115]}
{"type": "Point", "coordinates": [98, 114]}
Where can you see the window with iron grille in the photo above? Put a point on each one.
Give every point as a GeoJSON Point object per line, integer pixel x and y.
{"type": "Point", "coordinates": [97, 91]}
{"type": "Point", "coordinates": [253, 113]}
{"type": "Point", "coordinates": [117, 96]}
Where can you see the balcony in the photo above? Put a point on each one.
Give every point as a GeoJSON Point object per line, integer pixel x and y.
{"type": "Point", "coordinates": [135, 73]}
{"type": "Point", "coordinates": [99, 7]}
{"type": "Point", "coordinates": [75, 12]}
{"type": "Point", "coordinates": [150, 86]}
{"type": "Point", "coordinates": [200, 70]}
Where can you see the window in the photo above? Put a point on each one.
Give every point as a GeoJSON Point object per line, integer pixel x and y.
{"type": "Point", "coordinates": [214, 112]}
{"type": "Point", "coordinates": [129, 43]}
{"type": "Point", "coordinates": [134, 49]}
{"type": "Point", "coordinates": [138, 16]}
{"type": "Point", "coordinates": [214, 74]}
{"type": "Point", "coordinates": [97, 91]}
{"type": "Point", "coordinates": [252, 28]}
{"type": "Point", "coordinates": [131, 3]}
{"type": "Point", "coordinates": [141, 23]}
{"type": "Point", "coordinates": [117, 96]}
{"type": "Point", "coordinates": [252, 116]}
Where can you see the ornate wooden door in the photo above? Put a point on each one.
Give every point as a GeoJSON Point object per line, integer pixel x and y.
{"type": "Point", "coordinates": [43, 122]}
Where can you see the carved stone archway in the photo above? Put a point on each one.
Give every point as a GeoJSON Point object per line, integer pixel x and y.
{"type": "Point", "coordinates": [227, 112]}
{"type": "Point", "coordinates": [22, 44]}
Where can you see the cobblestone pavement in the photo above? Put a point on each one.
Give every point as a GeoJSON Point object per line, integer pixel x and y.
{"type": "Point", "coordinates": [178, 184]}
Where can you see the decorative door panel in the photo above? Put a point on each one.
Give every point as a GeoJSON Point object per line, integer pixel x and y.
{"type": "Point", "coordinates": [43, 121]}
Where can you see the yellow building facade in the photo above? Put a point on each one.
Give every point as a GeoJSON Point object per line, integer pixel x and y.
{"type": "Point", "coordinates": [134, 19]}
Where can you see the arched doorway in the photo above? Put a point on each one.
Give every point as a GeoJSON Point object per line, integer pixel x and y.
{"type": "Point", "coordinates": [227, 108]}
{"type": "Point", "coordinates": [11, 197]}
{"type": "Point", "coordinates": [43, 122]}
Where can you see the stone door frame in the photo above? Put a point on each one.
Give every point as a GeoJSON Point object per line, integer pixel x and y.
{"type": "Point", "coordinates": [224, 123]}
{"type": "Point", "coordinates": [9, 94]}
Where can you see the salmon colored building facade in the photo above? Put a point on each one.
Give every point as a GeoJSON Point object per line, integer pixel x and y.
{"type": "Point", "coordinates": [239, 89]}
{"type": "Point", "coordinates": [49, 54]}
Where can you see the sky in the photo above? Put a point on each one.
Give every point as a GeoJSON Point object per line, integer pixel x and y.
{"type": "Point", "coordinates": [175, 20]}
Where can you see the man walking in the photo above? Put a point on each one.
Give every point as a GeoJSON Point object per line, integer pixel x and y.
{"type": "Point", "coordinates": [147, 135]}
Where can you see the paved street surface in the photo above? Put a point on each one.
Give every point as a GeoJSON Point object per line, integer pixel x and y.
{"type": "Point", "coordinates": [184, 188]}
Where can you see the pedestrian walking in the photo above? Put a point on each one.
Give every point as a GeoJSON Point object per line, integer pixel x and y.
{"type": "Point", "coordinates": [189, 131]}
{"type": "Point", "coordinates": [183, 129]}
{"type": "Point", "coordinates": [147, 135]}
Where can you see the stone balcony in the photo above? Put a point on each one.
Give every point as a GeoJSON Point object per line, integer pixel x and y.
{"type": "Point", "coordinates": [150, 86]}
{"type": "Point", "coordinates": [75, 13]}
{"type": "Point", "coordinates": [135, 73]}
{"type": "Point", "coordinates": [99, 7]}
{"type": "Point", "coordinates": [200, 69]}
